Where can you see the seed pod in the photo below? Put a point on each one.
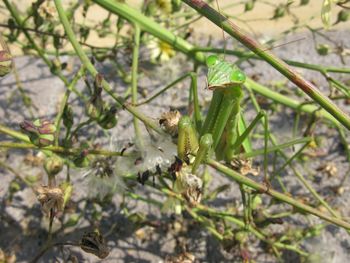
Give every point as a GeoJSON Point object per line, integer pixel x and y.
{"type": "Point", "coordinates": [94, 243]}
{"type": "Point", "coordinates": [108, 119]}
{"type": "Point", "coordinates": [187, 141]}
{"type": "Point", "coordinates": [94, 107]}
{"type": "Point", "coordinates": [343, 16]}
{"type": "Point", "coordinates": [53, 165]}
{"type": "Point", "coordinates": [41, 132]}
{"type": "Point", "coordinates": [248, 6]}
{"type": "Point", "coordinates": [176, 5]}
{"type": "Point", "coordinates": [82, 159]}
{"type": "Point", "coordinates": [279, 12]}
{"type": "Point", "coordinates": [323, 49]}
{"type": "Point", "coordinates": [68, 119]}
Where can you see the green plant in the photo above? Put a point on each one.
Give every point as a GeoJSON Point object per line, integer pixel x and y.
{"type": "Point", "coordinates": [222, 129]}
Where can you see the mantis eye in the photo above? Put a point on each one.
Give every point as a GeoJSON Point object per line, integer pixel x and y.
{"type": "Point", "coordinates": [211, 60]}
{"type": "Point", "coordinates": [237, 76]}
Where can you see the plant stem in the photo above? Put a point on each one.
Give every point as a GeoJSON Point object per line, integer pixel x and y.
{"type": "Point", "coordinates": [59, 149]}
{"type": "Point", "coordinates": [134, 78]}
{"type": "Point", "coordinates": [64, 102]}
{"type": "Point", "coordinates": [14, 134]}
{"type": "Point", "coordinates": [88, 65]}
{"type": "Point", "coordinates": [279, 196]}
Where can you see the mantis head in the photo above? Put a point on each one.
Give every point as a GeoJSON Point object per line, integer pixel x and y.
{"type": "Point", "coordinates": [222, 74]}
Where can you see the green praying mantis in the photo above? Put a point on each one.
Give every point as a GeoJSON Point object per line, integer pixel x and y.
{"type": "Point", "coordinates": [223, 130]}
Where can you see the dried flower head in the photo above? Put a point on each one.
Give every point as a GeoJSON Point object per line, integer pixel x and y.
{"type": "Point", "coordinates": [94, 243]}
{"type": "Point", "coordinates": [7, 257]}
{"type": "Point", "coordinates": [50, 198]}
{"type": "Point", "coordinates": [244, 167]}
{"type": "Point", "coordinates": [184, 257]}
{"type": "Point", "coordinates": [47, 11]}
{"type": "Point", "coordinates": [329, 168]}
{"type": "Point", "coordinates": [34, 160]}
{"type": "Point", "coordinates": [169, 121]}
{"type": "Point", "coordinates": [189, 185]}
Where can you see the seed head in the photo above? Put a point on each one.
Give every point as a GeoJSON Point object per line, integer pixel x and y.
{"type": "Point", "coordinates": [169, 121]}
{"type": "Point", "coordinates": [189, 185]}
{"type": "Point", "coordinates": [50, 198]}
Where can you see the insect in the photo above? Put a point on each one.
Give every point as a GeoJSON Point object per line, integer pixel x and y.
{"type": "Point", "coordinates": [220, 130]}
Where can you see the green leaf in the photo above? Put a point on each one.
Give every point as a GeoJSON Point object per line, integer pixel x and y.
{"type": "Point", "coordinates": [326, 13]}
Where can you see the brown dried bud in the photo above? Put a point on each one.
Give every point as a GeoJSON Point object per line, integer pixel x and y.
{"type": "Point", "coordinates": [169, 120]}
{"type": "Point", "coordinates": [244, 167]}
{"type": "Point", "coordinates": [94, 243]}
{"type": "Point", "coordinates": [50, 198]}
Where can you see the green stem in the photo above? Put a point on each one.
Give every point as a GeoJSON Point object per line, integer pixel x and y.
{"type": "Point", "coordinates": [59, 149]}
{"type": "Point", "coordinates": [296, 105]}
{"type": "Point", "coordinates": [279, 196]}
{"type": "Point", "coordinates": [88, 65]}
{"type": "Point", "coordinates": [134, 77]}
{"type": "Point", "coordinates": [64, 102]}
{"type": "Point", "coordinates": [14, 134]}
{"type": "Point", "coordinates": [273, 148]}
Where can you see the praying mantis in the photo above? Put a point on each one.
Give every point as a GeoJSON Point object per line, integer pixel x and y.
{"type": "Point", "coordinates": [223, 129]}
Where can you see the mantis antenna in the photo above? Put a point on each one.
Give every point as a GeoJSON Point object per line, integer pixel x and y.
{"type": "Point", "coordinates": [222, 29]}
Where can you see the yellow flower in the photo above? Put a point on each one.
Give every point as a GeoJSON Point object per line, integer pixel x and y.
{"type": "Point", "coordinates": [160, 51]}
{"type": "Point", "coordinates": [164, 5]}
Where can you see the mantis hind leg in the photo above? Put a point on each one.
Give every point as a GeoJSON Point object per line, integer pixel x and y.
{"type": "Point", "coordinates": [236, 137]}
